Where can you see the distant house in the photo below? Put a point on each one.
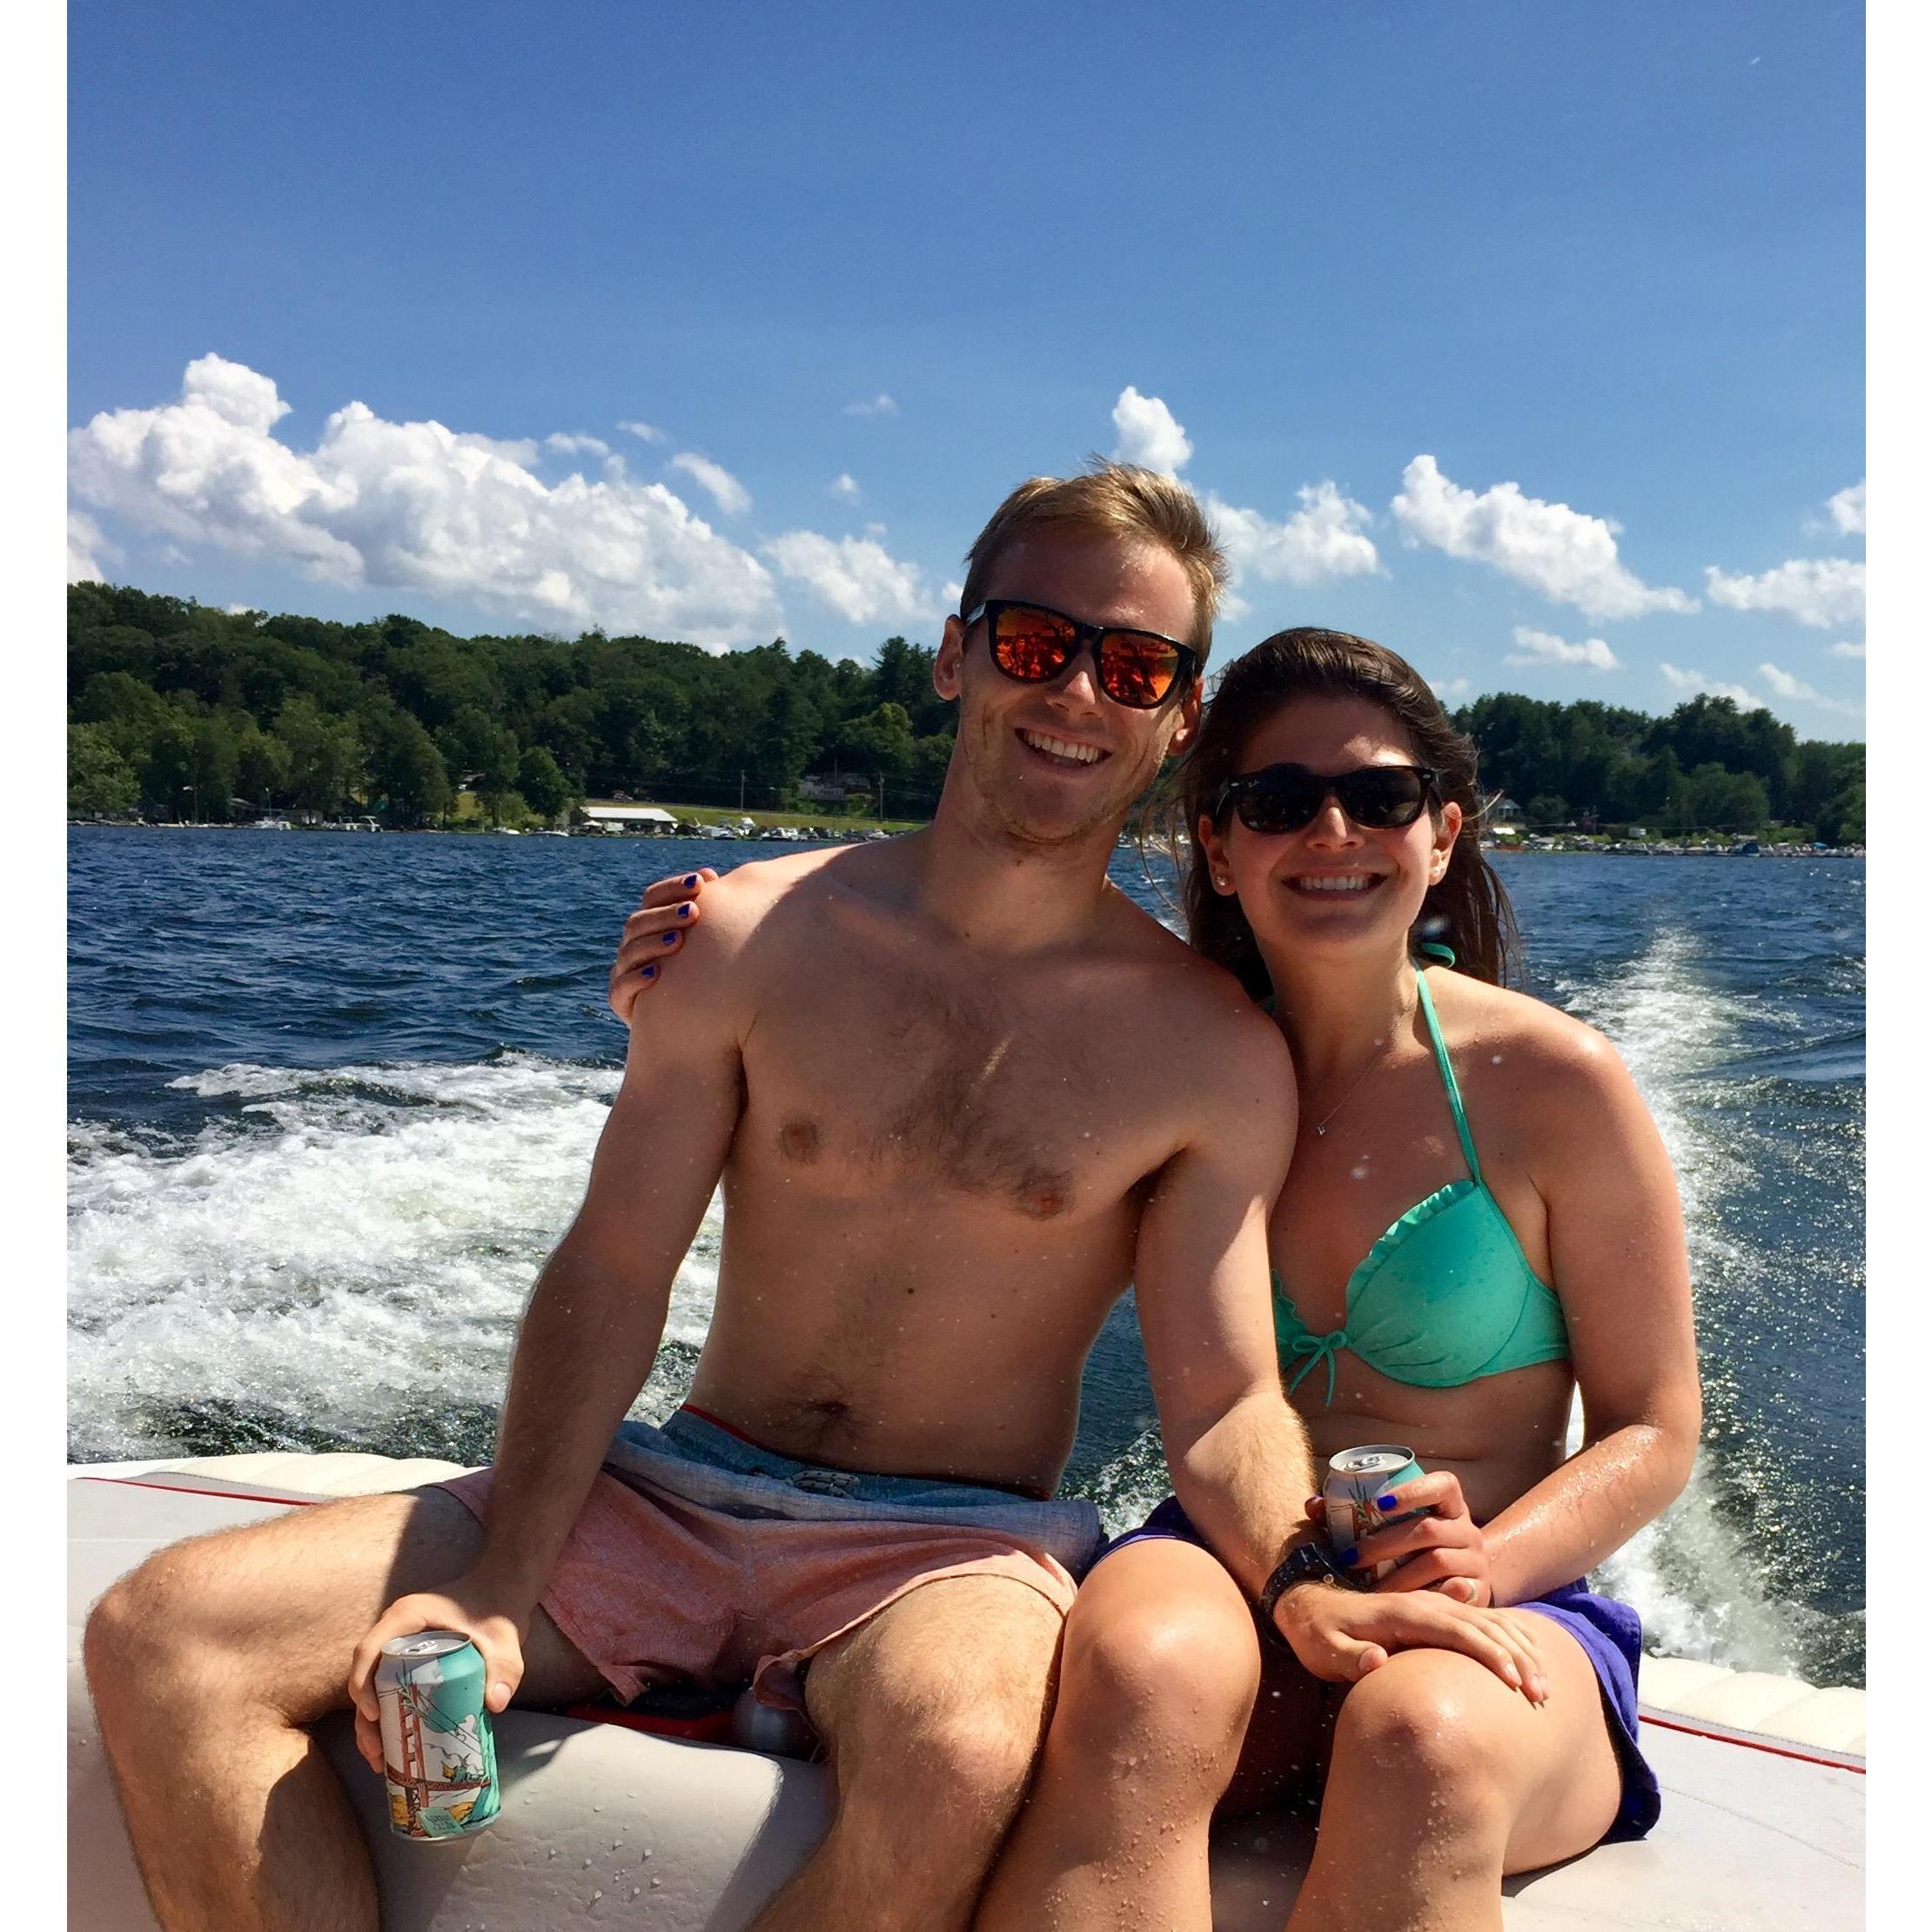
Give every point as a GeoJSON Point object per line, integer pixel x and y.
{"type": "Point", "coordinates": [1506, 807]}
{"type": "Point", "coordinates": [627, 818]}
{"type": "Point", "coordinates": [830, 791]}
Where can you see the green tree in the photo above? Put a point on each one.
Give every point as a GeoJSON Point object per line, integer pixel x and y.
{"type": "Point", "coordinates": [1723, 801]}
{"type": "Point", "coordinates": [1545, 810]}
{"type": "Point", "coordinates": [326, 756]}
{"type": "Point", "coordinates": [407, 770]}
{"type": "Point", "coordinates": [879, 744]}
{"type": "Point", "coordinates": [542, 783]}
{"type": "Point", "coordinates": [99, 780]}
{"type": "Point", "coordinates": [261, 764]}
{"type": "Point", "coordinates": [481, 754]}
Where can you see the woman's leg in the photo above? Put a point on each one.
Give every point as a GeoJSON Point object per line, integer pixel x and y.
{"type": "Point", "coordinates": [1443, 1779]}
{"type": "Point", "coordinates": [1157, 1674]}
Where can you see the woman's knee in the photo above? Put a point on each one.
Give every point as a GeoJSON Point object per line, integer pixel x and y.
{"type": "Point", "coordinates": [1424, 1723]}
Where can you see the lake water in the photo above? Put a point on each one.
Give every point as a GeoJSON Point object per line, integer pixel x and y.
{"type": "Point", "coordinates": [334, 1097]}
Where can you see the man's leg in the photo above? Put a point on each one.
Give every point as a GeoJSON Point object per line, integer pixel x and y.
{"type": "Point", "coordinates": [206, 1662]}
{"type": "Point", "coordinates": [932, 1711]}
{"type": "Point", "coordinates": [1157, 1679]}
{"type": "Point", "coordinates": [1443, 1779]}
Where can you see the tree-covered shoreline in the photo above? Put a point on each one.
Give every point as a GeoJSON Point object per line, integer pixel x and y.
{"type": "Point", "coordinates": [176, 710]}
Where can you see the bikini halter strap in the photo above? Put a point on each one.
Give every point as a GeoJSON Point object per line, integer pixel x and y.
{"type": "Point", "coordinates": [1448, 1076]}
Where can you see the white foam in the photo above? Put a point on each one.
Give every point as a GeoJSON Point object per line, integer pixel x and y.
{"type": "Point", "coordinates": [359, 1244]}
{"type": "Point", "coordinates": [1699, 1591]}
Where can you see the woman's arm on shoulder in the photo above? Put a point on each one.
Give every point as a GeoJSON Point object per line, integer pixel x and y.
{"type": "Point", "coordinates": [1619, 1268]}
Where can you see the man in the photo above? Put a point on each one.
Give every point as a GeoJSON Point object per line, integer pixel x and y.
{"type": "Point", "coordinates": [959, 1091]}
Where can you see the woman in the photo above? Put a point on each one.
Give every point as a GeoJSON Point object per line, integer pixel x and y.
{"type": "Point", "coordinates": [1479, 1221]}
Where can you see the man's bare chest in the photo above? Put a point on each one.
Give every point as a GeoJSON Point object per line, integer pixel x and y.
{"type": "Point", "coordinates": [888, 1077]}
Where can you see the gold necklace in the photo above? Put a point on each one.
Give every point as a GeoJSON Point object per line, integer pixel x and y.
{"type": "Point", "coordinates": [1380, 1048]}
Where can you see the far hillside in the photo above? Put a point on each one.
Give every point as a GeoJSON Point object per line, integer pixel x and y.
{"type": "Point", "coordinates": [178, 710]}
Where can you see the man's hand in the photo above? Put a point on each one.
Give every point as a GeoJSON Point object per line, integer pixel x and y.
{"type": "Point", "coordinates": [653, 935]}
{"type": "Point", "coordinates": [468, 1605]}
{"type": "Point", "coordinates": [1340, 1635]}
{"type": "Point", "coordinates": [1441, 1550]}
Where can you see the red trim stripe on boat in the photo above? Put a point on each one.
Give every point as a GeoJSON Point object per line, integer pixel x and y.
{"type": "Point", "coordinates": [1749, 1743]}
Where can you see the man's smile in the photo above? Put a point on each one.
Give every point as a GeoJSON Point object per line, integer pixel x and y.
{"type": "Point", "coordinates": [1066, 753]}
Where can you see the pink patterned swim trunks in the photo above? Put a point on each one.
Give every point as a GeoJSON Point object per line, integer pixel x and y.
{"type": "Point", "coordinates": [700, 1556]}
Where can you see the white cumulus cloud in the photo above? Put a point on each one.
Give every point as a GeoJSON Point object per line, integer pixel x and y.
{"type": "Point", "coordinates": [845, 487]}
{"type": "Point", "coordinates": [856, 577]}
{"type": "Point", "coordinates": [1321, 540]}
{"type": "Point", "coordinates": [1145, 433]}
{"type": "Point", "coordinates": [881, 404]}
{"type": "Point", "coordinates": [1847, 649]}
{"type": "Point", "coordinates": [1546, 647]}
{"type": "Point", "coordinates": [727, 491]}
{"type": "Point", "coordinates": [1691, 682]}
{"type": "Point", "coordinates": [1785, 686]}
{"type": "Point", "coordinates": [1846, 510]}
{"type": "Point", "coordinates": [1449, 688]}
{"type": "Point", "coordinates": [86, 546]}
{"type": "Point", "coordinates": [577, 446]}
{"type": "Point", "coordinates": [1569, 557]}
{"type": "Point", "coordinates": [1822, 592]}
{"type": "Point", "coordinates": [417, 506]}
{"type": "Point", "coordinates": [645, 432]}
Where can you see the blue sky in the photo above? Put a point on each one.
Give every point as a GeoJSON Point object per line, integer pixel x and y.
{"type": "Point", "coordinates": [1527, 339]}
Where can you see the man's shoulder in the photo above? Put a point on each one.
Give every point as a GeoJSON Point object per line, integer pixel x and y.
{"type": "Point", "coordinates": [735, 904]}
{"type": "Point", "coordinates": [1210, 1030]}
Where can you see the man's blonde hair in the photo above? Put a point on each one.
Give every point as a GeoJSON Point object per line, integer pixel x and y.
{"type": "Point", "coordinates": [1114, 500]}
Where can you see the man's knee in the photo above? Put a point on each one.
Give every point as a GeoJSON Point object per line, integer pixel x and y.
{"type": "Point", "coordinates": [936, 1711]}
{"type": "Point", "coordinates": [151, 1629]}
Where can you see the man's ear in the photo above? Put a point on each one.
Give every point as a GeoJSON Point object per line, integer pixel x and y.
{"type": "Point", "coordinates": [946, 661]}
{"type": "Point", "coordinates": [1185, 732]}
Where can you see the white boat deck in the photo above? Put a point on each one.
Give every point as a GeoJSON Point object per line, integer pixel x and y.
{"type": "Point", "coordinates": [1762, 1827]}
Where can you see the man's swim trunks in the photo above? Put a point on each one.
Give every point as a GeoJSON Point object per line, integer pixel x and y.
{"type": "Point", "coordinates": [1608, 1630]}
{"type": "Point", "coordinates": [700, 1555]}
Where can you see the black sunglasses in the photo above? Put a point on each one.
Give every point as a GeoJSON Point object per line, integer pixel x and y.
{"type": "Point", "coordinates": [1284, 798]}
{"type": "Point", "coordinates": [1034, 645]}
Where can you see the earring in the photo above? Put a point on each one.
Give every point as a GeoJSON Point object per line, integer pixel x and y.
{"type": "Point", "coordinates": [1221, 884]}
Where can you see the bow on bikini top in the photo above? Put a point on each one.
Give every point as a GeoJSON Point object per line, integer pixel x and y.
{"type": "Point", "coordinates": [1447, 1296]}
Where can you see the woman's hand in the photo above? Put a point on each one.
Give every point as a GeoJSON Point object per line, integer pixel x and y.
{"type": "Point", "coordinates": [1442, 1549]}
{"type": "Point", "coordinates": [1340, 1635]}
{"type": "Point", "coordinates": [653, 935]}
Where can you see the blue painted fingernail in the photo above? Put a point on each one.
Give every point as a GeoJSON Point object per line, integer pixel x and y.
{"type": "Point", "coordinates": [684, 912]}
{"type": "Point", "coordinates": [650, 972]}
{"type": "Point", "coordinates": [670, 939]}
{"type": "Point", "coordinates": [690, 880]}
{"type": "Point", "coordinates": [1386, 1502]}
{"type": "Point", "coordinates": [1347, 1559]}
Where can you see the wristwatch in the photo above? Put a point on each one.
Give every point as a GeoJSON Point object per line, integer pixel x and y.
{"type": "Point", "coordinates": [1305, 1563]}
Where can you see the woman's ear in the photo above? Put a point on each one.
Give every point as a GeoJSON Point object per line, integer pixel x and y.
{"type": "Point", "coordinates": [1448, 823]}
{"type": "Point", "coordinates": [1216, 851]}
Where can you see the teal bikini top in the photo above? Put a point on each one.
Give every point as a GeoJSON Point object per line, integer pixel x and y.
{"type": "Point", "coordinates": [1447, 1296]}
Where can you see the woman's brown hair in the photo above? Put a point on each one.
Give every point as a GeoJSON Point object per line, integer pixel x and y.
{"type": "Point", "coordinates": [1468, 910]}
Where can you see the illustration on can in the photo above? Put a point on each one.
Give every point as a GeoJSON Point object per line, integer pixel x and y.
{"type": "Point", "coordinates": [438, 1749]}
{"type": "Point", "coordinates": [1356, 1478]}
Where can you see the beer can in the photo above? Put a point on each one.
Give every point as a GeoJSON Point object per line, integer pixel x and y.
{"type": "Point", "coordinates": [438, 1754]}
{"type": "Point", "coordinates": [1355, 1478]}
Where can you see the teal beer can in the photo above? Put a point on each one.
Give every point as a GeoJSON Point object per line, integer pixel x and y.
{"type": "Point", "coordinates": [1356, 1478]}
{"type": "Point", "coordinates": [438, 1754]}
